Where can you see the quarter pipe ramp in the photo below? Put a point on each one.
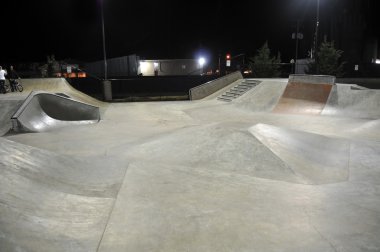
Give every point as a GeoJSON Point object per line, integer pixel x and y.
{"type": "Point", "coordinates": [45, 111]}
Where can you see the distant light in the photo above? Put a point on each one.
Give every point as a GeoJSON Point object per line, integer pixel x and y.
{"type": "Point", "coordinates": [377, 61]}
{"type": "Point", "coordinates": [155, 64]}
{"type": "Point", "coordinates": [144, 66]}
{"type": "Point", "coordinates": [81, 75]}
{"type": "Point", "coordinates": [228, 56]}
{"type": "Point", "coordinates": [201, 61]}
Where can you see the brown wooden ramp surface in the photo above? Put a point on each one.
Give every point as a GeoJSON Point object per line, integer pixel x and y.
{"type": "Point", "coordinates": [303, 98]}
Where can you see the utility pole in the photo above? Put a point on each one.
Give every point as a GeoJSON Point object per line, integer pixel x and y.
{"type": "Point", "coordinates": [104, 40]}
{"type": "Point", "coordinates": [316, 38]}
{"type": "Point", "coordinates": [297, 36]}
{"type": "Point", "coordinates": [107, 85]}
{"type": "Point", "coordinates": [317, 28]}
{"type": "Point", "coordinates": [219, 65]}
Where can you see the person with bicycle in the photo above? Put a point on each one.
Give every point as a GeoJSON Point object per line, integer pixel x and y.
{"type": "Point", "coordinates": [3, 72]}
{"type": "Point", "coordinates": [12, 76]}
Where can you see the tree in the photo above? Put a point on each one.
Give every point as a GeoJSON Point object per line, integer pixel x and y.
{"type": "Point", "coordinates": [263, 65]}
{"type": "Point", "coordinates": [328, 60]}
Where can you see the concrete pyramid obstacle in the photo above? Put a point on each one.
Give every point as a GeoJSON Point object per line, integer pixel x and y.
{"type": "Point", "coordinates": [220, 147]}
{"type": "Point", "coordinates": [315, 158]}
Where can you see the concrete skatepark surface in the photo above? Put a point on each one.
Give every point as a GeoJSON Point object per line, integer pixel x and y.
{"type": "Point", "coordinates": [200, 175]}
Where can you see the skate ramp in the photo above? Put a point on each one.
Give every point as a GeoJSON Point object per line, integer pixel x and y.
{"type": "Point", "coordinates": [303, 98]}
{"type": "Point", "coordinates": [262, 151]}
{"type": "Point", "coordinates": [349, 101]}
{"type": "Point", "coordinates": [305, 94]}
{"type": "Point", "coordinates": [58, 85]}
{"type": "Point", "coordinates": [264, 97]}
{"type": "Point", "coordinates": [53, 202]}
{"type": "Point", "coordinates": [300, 94]}
{"type": "Point", "coordinates": [44, 111]}
{"type": "Point", "coordinates": [315, 158]}
{"type": "Point", "coordinates": [308, 95]}
{"type": "Point", "coordinates": [229, 149]}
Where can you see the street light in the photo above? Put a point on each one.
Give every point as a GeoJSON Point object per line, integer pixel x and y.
{"type": "Point", "coordinates": [201, 62]}
{"type": "Point", "coordinates": [107, 86]}
{"type": "Point", "coordinates": [104, 40]}
{"type": "Point", "coordinates": [316, 32]}
{"type": "Point", "coordinates": [297, 36]}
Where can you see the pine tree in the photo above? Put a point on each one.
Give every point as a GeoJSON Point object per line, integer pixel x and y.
{"type": "Point", "coordinates": [263, 65]}
{"type": "Point", "coordinates": [328, 61]}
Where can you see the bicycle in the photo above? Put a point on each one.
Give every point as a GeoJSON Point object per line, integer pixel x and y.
{"type": "Point", "coordinates": [5, 88]}
{"type": "Point", "coordinates": [16, 86]}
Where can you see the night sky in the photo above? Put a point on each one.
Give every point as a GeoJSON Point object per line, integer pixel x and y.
{"type": "Point", "coordinates": [154, 29]}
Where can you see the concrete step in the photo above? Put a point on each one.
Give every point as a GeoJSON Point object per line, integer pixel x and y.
{"type": "Point", "coordinates": [246, 85]}
{"type": "Point", "coordinates": [229, 95]}
{"type": "Point", "coordinates": [224, 99]}
{"type": "Point", "coordinates": [249, 83]}
{"type": "Point", "coordinates": [241, 88]}
{"type": "Point", "coordinates": [237, 90]}
{"type": "Point", "coordinates": [234, 93]}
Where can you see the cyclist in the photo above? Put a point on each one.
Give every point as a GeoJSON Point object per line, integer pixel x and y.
{"type": "Point", "coordinates": [12, 75]}
{"type": "Point", "coordinates": [3, 72]}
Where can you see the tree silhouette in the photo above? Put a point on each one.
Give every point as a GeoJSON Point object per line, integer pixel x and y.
{"type": "Point", "coordinates": [328, 61]}
{"type": "Point", "coordinates": [263, 65]}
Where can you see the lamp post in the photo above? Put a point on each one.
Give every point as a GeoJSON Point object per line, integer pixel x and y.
{"type": "Point", "coordinates": [297, 36]}
{"type": "Point", "coordinates": [107, 87]}
{"type": "Point", "coordinates": [316, 32]}
{"type": "Point", "coordinates": [104, 40]}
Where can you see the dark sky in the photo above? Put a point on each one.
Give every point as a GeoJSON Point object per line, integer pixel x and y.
{"type": "Point", "coordinates": [153, 29]}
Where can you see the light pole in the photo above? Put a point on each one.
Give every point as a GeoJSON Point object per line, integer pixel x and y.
{"type": "Point", "coordinates": [104, 40]}
{"type": "Point", "coordinates": [297, 36]}
{"type": "Point", "coordinates": [107, 86]}
{"type": "Point", "coordinates": [298, 27]}
{"type": "Point", "coordinates": [219, 65]}
{"type": "Point", "coordinates": [316, 32]}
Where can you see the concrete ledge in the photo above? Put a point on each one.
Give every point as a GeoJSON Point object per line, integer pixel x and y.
{"type": "Point", "coordinates": [211, 87]}
{"type": "Point", "coordinates": [312, 79]}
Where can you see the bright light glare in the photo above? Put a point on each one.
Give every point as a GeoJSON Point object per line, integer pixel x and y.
{"type": "Point", "coordinates": [201, 61]}
{"type": "Point", "coordinates": [377, 61]}
{"type": "Point", "coordinates": [155, 64]}
{"type": "Point", "coordinates": [144, 66]}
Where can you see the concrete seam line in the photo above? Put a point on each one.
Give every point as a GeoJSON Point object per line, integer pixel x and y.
{"type": "Point", "coordinates": [111, 210]}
